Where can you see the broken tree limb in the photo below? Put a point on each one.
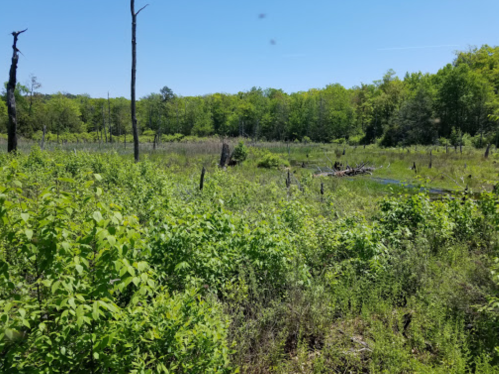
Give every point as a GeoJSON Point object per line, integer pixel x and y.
{"type": "Point", "coordinates": [349, 172]}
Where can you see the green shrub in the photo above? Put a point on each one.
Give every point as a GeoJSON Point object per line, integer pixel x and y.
{"type": "Point", "coordinates": [444, 141]}
{"type": "Point", "coordinates": [272, 161]}
{"type": "Point", "coordinates": [240, 152]}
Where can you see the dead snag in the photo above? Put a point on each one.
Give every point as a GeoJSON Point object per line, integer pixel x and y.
{"type": "Point", "coordinates": [201, 182]}
{"type": "Point", "coordinates": [225, 155]}
{"type": "Point", "coordinates": [487, 151]}
{"type": "Point", "coordinates": [11, 99]}
{"type": "Point", "coordinates": [134, 72]}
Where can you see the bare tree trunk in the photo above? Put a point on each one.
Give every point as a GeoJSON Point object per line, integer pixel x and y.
{"type": "Point", "coordinates": [11, 99]}
{"type": "Point", "coordinates": [104, 122]}
{"type": "Point", "coordinates": [134, 72]}
{"type": "Point", "coordinates": [109, 118]}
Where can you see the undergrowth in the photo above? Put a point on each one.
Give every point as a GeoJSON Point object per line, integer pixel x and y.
{"type": "Point", "coordinates": [111, 266]}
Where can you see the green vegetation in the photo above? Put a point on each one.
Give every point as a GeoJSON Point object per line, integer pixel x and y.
{"type": "Point", "coordinates": [457, 105]}
{"type": "Point", "coordinates": [111, 266]}
{"type": "Point", "coordinates": [240, 152]}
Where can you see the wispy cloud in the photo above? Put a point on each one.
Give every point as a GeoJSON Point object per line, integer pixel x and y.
{"type": "Point", "coordinates": [420, 47]}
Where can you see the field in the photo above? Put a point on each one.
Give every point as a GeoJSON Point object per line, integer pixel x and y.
{"type": "Point", "coordinates": [111, 266]}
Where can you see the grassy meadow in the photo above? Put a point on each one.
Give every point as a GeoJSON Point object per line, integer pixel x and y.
{"type": "Point", "coordinates": [107, 266]}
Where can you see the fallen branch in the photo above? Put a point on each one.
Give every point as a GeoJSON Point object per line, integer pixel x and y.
{"type": "Point", "coordinates": [349, 171]}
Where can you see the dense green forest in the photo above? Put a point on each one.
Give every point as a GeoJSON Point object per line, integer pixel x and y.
{"type": "Point", "coordinates": [460, 103]}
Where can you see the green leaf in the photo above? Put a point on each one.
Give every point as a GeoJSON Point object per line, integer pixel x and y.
{"type": "Point", "coordinates": [96, 313]}
{"type": "Point", "coordinates": [55, 286]}
{"type": "Point", "coordinates": [25, 217]}
{"type": "Point", "coordinates": [111, 239]}
{"type": "Point", "coordinates": [42, 326]}
{"type": "Point", "coordinates": [9, 333]}
{"type": "Point", "coordinates": [97, 216]}
{"type": "Point", "coordinates": [97, 177]}
{"type": "Point", "coordinates": [29, 233]}
{"type": "Point", "coordinates": [71, 301]}
{"type": "Point", "coordinates": [80, 313]}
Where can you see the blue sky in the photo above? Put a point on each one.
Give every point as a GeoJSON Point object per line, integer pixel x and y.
{"type": "Point", "coordinates": [199, 47]}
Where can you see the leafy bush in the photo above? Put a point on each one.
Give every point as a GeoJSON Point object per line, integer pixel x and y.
{"type": "Point", "coordinates": [444, 141]}
{"type": "Point", "coordinates": [272, 161]}
{"type": "Point", "coordinates": [240, 152]}
{"type": "Point", "coordinates": [339, 141]}
{"type": "Point", "coordinates": [355, 140]}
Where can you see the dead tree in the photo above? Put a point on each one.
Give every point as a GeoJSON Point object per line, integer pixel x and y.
{"type": "Point", "coordinates": [134, 72]}
{"type": "Point", "coordinates": [487, 151]}
{"type": "Point", "coordinates": [225, 155]}
{"type": "Point", "coordinates": [104, 122]}
{"type": "Point", "coordinates": [201, 182]}
{"type": "Point", "coordinates": [109, 118]}
{"type": "Point", "coordinates": [11, 99]}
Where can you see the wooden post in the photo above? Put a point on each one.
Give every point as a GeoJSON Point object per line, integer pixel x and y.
{"type": "Point", "coordinates": [429, 166]}
{"type": "Point", "coordinates": [288, 180]}
{"type": "Point", "coordinates": [414, 166]}
{"type": "Point", "coordinates": [343, 151]}
{"type": "Point", "coordinates": [201, 182]}
{"type": "Point", "coordinates": [322, 191]}
{"type": "Point", "coordinates": [487, 151]}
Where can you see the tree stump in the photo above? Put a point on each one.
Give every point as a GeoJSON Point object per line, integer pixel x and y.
{"type": "Point", "coordinates": [225, 155]}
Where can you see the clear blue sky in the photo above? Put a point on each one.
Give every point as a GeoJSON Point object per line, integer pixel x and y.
{"type": "Point", "coordinates": [204, 46]}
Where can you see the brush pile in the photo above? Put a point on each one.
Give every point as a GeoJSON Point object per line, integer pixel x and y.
{"type": "Point", "coordinates": [337, 171]}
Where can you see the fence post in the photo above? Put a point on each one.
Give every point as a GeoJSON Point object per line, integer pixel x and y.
{"type": "Point", "coordinates": [201, 182]}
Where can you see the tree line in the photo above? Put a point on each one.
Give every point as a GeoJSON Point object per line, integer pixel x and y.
{"type": "Point", "coordinates": [460, 100]}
